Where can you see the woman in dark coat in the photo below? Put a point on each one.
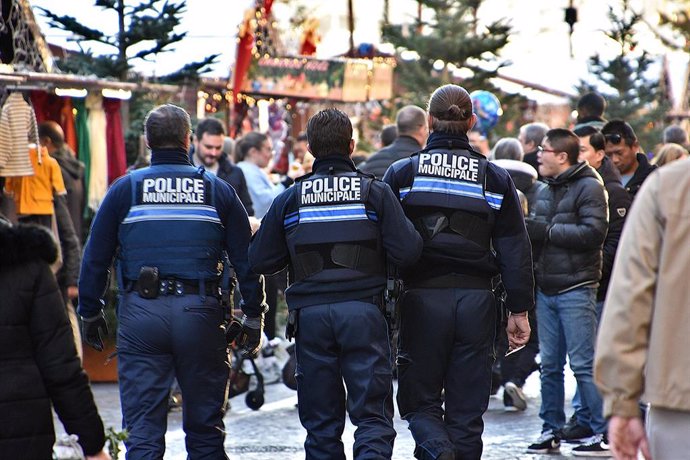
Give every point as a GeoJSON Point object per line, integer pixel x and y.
{"type": "Point", "coordinates": [38, 360]}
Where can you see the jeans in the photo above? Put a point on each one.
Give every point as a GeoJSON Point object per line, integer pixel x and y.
{"type": "Point", "coordinates": [582, 413]}
{"type": "Point", "coordinates": [568, 324]}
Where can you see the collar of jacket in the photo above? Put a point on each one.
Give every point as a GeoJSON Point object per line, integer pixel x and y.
{"type": "Point", "coordinates": [445, 141]}
{"type": "Point", "coordinates": [405, 140]}
{"type": "Point", "coordinates": [608, 172]}
{"type": "Point", "coordinates": [169, 156]}
{"type": "Point", "coordinates": [337, 162]}
{"type": "Point", "coordinates": [576, 171]}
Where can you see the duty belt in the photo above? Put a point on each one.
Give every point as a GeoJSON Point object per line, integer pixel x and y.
{"type": "Point", "coordinates": [180, 287]}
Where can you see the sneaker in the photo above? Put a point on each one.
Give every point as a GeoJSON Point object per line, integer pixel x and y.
{"type": "Point", "coordinates": [596, 446]}
{"type": "Point", "coordinates": [548, 443]}
{"type": "Point", "coordinates": [516, 395]}
{"type": "Point", "coordinates": [573, 432]}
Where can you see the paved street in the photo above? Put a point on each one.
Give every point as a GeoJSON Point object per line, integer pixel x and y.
{"type": "Point", "coordinates": [274, 431]}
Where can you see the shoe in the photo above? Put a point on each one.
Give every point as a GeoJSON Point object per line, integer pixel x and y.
{"type": "Point", "coordinates": [596, 446]}
{"type": "Point", "coordinates": [573, 432]}
{"type": "Point", "coordinates": [548, 443]}
{"type": "Point", "coordinates": [516, 395]}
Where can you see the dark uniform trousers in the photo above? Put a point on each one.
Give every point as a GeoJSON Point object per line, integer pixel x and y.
{"type": "Point", "coordinates": [446, 340]}
{"type": "Point", "coordinates": [160, 337]}
{"type": "Point", "coordinates": [345, 341]}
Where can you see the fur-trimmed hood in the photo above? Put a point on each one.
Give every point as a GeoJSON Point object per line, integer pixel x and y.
{"type": "Point", "coordinates": [25, 243]}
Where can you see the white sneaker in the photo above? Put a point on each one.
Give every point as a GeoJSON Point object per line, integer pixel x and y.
{"type": "Point", "coordinates": [516, 394]}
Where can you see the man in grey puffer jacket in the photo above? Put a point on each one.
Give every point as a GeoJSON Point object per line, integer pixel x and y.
{"type": "Point", "coordinates": [567, 226]}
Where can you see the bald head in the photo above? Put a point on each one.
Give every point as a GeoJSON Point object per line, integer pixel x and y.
{"type": "Point", "coordinates": [51, 135]}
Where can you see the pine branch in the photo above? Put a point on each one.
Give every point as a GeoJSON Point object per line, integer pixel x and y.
{"type": "Point", "coordinates": [191, 71]}
{"type": "Point", "coordinates": [70, 24]}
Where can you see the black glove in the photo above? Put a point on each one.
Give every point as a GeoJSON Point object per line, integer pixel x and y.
{"type": "Point", "coordinates": [537, 229]}
{"type": "Point", "coordinates": [91, 330]}
{"type": "Point", "coordinates": [251, 336]}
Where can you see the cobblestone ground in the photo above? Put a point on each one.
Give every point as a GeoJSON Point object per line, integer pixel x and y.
{"type": "Point", "coordinates": [274, 431]}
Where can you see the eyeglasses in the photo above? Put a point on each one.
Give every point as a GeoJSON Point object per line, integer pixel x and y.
{"type": "Point", "coordinates": [542, 150]}
{"type": "Point", "coordinates": [613, 138]}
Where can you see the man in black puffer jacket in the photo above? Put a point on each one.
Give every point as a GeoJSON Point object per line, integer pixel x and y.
{"type": "Point", "coordinates": [38, 361]}
{"type": "Point", "coordinates": [567, 226]}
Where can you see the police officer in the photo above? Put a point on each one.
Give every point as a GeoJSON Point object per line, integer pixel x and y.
{"type": "Point", "coordinates": [334, 229]}
{"type": "Point", "coordinates": [469, 216]}
{"type": "Point", "coordinates": [168, 225]}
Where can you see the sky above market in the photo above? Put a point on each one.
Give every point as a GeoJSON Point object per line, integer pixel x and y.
{"type": "Point", "coordinates": [538, 51]}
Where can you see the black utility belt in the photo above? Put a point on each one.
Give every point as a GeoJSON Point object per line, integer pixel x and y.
{"type": "Point", "coordinates": [174, 287]}
{"type": "Point", "coordinates": [452, 280]}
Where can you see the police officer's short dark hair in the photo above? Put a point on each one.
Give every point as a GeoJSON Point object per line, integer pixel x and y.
{"type": "Point", "coordinates": [210, 126]}
{"type": "Point", "coordinates": [167, 126]}
{"type": "Point", "coordinates": [451, 109]}
{"type": "Point", "coordinates": [596, 139]}
{"type": "Point", "coordinates": [329, 132]}
{"type": "Point", "coordinates": [564, 140]}
{"type": "Point", "coordinates": [247, 142]}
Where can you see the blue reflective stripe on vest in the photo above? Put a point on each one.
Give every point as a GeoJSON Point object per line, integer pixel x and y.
{"type": "Point", "coordinates": [175, 227]}
{"type": "Point", "coordinates": [333, 213]}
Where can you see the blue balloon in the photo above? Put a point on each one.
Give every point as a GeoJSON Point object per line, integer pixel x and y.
{"type": "Point", "coordinates": [487, 108]}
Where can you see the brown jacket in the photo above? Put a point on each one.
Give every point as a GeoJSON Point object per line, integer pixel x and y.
{"type": "Point", "coordinates": [643, 348]}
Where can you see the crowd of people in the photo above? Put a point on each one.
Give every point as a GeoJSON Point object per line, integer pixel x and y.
{"type": "Point", "coordinates": [560, 246]}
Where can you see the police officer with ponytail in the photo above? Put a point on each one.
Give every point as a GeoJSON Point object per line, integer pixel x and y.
{"type": "Point", "coordinates": [469, 215]}
{"type": "Point", "coordinates": [336, 229]}
{"type": "Point", "coordinates": [168, 227]}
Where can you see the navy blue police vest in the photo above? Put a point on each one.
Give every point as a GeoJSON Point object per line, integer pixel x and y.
{"type": "Point", "coordinates": [447, 200]}
{"type": "Point", "coordinates": [334, 234]}
{"type": "Point", "coordinates": [172, 224]}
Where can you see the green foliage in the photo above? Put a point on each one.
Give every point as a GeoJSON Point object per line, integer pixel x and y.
{"type": "Point", "coordinates": [680, 22]}
{"type": "Point", "coordinates": [149, 23]}
{"type": "Point", "coordinates": [455, 37]}
{"type": "Point", "coordinates": [631, 94]}
{"type": "Point", "coordinates": [113, 438]}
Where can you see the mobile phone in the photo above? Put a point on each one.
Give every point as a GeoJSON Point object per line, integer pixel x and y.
{"type": "Point", "coordinates": [514, 350]}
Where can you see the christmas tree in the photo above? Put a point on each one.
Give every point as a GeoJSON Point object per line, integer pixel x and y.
{"type": "Point", "coordinates": [452, 47]}
{"type": "Point", "coordinates": [633, 93]}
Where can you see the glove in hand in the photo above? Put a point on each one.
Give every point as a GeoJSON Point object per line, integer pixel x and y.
{"type": "Point", "coordinates": [92, 329]}
{"type": "Point", "coordinates": [537, 229]}
{"type": "Point", "coordinates": [251, 336]}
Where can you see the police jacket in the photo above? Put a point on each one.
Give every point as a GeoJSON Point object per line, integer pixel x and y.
{"type": "Point", "coordinates": [575, 209]}
{"type": "Point", "coordinates": [334, 229]}
{"type": "Point", "coordinates": [38, 361]}
{"type": "Point", "coordinates": [173, 216]}
{"type": "Point", "coordinates": [469, 213]}
{"type": "Point", "coordinates": [402, 147]}
{"type": "Point", "coordinates": [619, 204]}
{"type": "Point", "coordinates": [643, 170]}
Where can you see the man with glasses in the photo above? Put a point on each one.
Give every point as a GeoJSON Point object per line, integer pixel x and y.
{"type": "Point", "coordinates": [567, 226]}
{"type": "Point", "coordinates": [623, 148]}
